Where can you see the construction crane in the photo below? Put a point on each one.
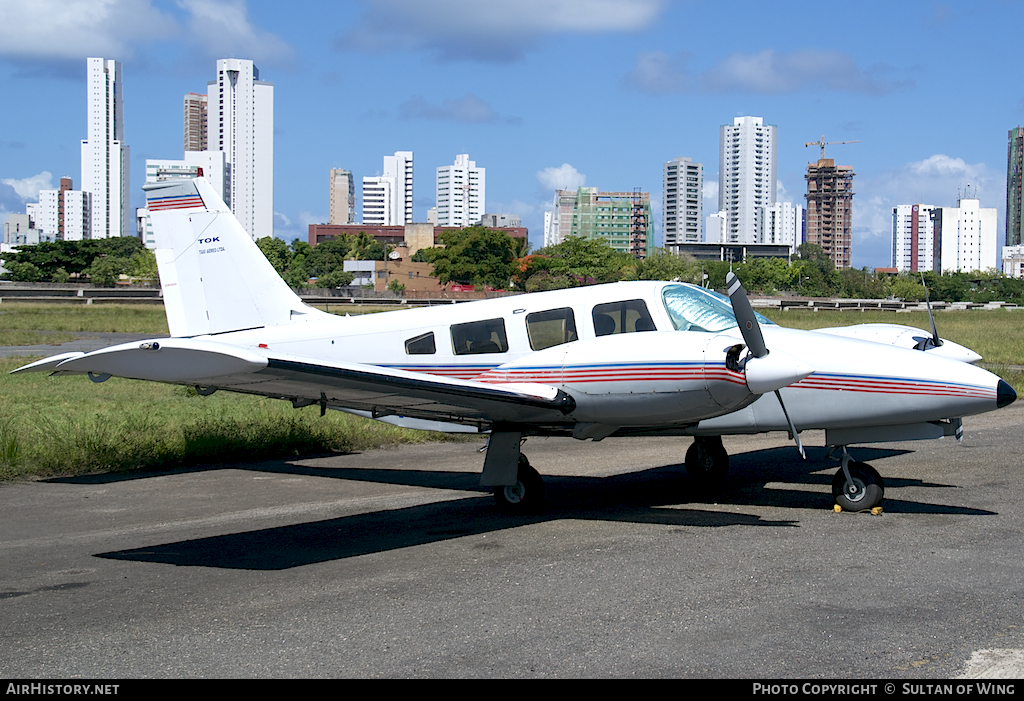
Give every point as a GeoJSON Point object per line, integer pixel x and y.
{"type": "Point", "coordinates": [824, 143]}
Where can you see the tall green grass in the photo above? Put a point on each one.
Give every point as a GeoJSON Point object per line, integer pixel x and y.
{"type": "Point", "coordinates": [70, 425]}
{"type": "Point", "coordinates": [113, 318]}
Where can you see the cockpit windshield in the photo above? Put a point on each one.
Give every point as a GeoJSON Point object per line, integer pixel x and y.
{"type": "Point", "coordinates": [696, 309]}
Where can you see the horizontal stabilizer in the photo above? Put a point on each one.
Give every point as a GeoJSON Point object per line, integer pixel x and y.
{"type": "Point", "coordinates": [169, 360]}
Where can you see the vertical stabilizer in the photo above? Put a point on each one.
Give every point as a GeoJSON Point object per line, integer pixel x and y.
{"type": "Point", "coordinates": [214, 277]}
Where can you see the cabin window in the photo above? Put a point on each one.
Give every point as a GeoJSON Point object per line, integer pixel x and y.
{"type": "Point", "coordinates": [479, 337]}
{"type": "Point", "coordinates": [421, 345]}
{"type": "Point", "coordinates": [551, 328]}
{"type": "Point", "coordinates": [622, 317]}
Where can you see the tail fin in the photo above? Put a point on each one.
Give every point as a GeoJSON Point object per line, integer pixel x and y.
{"type": "Point", "coordinates": [214, 277]}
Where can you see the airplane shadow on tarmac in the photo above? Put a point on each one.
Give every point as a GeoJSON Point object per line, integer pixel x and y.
{"type": "Point", "coordinates": [655, 496]}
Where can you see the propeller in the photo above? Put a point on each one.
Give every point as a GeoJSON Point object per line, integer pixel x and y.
{"type": "Point", "coordinates": [934, 340]}
{"type": "Point", "coordinates": [765, 372]}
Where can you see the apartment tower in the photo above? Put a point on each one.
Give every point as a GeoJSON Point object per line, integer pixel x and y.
{"type": "Point", "coordinates": [747, 176]}
{"type": "Point", "coordinates": [387, 198]}
{"type": "Point", "coordinates": [240, 123]}
{"type": "Point", "coordinates": [461, 193]}
{"type": "Point", "coordinates": [343, 197]}
{"type": "Point", "coordinates": [682, 202]}
{"type": "Point", "coordinates": [195, 122]}
{"type": "Point", "coordinates": [104, 154]}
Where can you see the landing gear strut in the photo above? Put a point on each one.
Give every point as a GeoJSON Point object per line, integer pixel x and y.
{"type": "Point", "coordinates": [707, 460]}
{"type": "Point", "coordinates": [857, 486]}
{"type": "Point", "coordinates": [526, 495]}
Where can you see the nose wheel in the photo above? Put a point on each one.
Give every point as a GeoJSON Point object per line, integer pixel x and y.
{"type": "Point", "coordinates": [857, 486]}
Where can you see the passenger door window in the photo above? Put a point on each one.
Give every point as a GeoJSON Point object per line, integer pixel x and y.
{"type": "Point", "coordinates": [478, 337]}
{"type": "Point", "coordinates": [622, 317]}
{"type": "Point", "coordinates": [551, 328]}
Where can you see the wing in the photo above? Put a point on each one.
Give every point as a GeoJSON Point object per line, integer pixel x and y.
{"type": "Point", "coordinates": [380, 392]}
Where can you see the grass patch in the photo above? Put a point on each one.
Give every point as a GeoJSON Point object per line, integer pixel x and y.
{"type": "Point", "coordinates": [17, 337]}
{"type": "Point", "coordinates": [113, 318]}
{"type": "Point", "coordinates": [69, 426]}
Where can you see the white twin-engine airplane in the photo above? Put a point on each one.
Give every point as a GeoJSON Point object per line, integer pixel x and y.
{"type": "Point", "coordinates": [624, 359]}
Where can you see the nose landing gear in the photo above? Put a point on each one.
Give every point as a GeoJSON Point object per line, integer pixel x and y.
{"type": "Point", "coordinates": [857, 486]}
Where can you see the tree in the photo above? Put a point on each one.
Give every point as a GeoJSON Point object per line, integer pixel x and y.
{"type": "Point", "coordinates": [663, 265]}
{"type": "Point", "coordinates": [106, 271]}
{"type": "Point", "coordinates": [276, 252]}
{"type": "Point", "coordinates": [576, 262]}
{"type": "Point", "coordinates": [475, 256]}
{"type": "Point", "coordinates": [335, 279]}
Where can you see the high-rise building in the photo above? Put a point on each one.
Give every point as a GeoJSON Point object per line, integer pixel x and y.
{"type": "Point", "coordinates": [1014, 186]}
{"type": "Point", "coordinates": [461, 192]}
{"type": "Point", "coordinates": [240, 122]}
{"type": "Point", "coordinates": [967, 236]}
{"type": "Point", "coordinates": [782, 224]}
{"type": "Point", "coordinates": [343, 197]}
{"type": "Point", "coordinates": [830, 209]}
{"type": "Point", "coordinates": [747, 168]}
{"type": "Point", "coordinates": [65, 213]}
{"type": "Point", "coordinates": [378, 201]}
{"type": "Point", "coordinates": [682, 202]}
{"type": "Point", "coordinates": [390, 194]}
{"type": "Point", "coordinates": [104, 154]}
{"type": "Point", "coordinates": [714, 229]}
{"type": "Point", "coordinates": [915, 246]}
{"type": "Point", "coordinates": [620, 219]}
{"type": "Point", "coordinates": [195, 122]}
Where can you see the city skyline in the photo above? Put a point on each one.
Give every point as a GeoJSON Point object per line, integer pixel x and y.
{"type": "Point", "coordinates": [481, 83]}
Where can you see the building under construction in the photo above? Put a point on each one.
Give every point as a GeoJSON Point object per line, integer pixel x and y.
{"type": "Point", "coordinates": [830, 209]}
{"type": "Point", "coordinates": [620, 219]}
{"type": "Point", "coordinates": [1014, 186]}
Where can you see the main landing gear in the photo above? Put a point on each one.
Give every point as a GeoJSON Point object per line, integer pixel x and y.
{"type": "Point", "coordinates": [518, 488]}
{"type": "Point", "coordinates": [526, 495]}
{"type": "Point", "coordinates": [707, 460]}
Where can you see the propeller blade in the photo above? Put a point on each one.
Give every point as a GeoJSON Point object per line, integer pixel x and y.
{"type": "Point", "coordinates": [936, 341]}
{"type": "Point", "coordinates": [764, 374]}
{"type": "Point", "coordinates": [792, 428]}
{"type": "Point", "coordinates": [749, 327]}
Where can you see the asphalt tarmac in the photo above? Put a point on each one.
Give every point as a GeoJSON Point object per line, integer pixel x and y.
{"type": "Point", "coordinates": [394, 563]}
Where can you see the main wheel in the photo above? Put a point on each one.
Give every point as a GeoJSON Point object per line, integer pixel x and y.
{"type": "Point", "coordinates": [526, 495]}
{"type": "Point", "coordinates": [707, 460]}
{"type": "Point", "coordinates": [865, 493]}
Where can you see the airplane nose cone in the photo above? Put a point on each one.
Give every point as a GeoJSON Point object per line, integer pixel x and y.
{"type": "Point", "coordinates": [1004, 394]}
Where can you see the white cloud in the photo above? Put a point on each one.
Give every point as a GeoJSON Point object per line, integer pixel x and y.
{"type": "Point", "coordinates": [48, 31]}
{"type": "Point", "coordinates": [28, 188]}
{"type": "Point", "coordinates": [307, 218]}
{"type": "Point", "coordinates": [469, 109]}
{"type": "Point", "coordinates": [222, 28]}
{"type": "Point", "coordinates": [766, 72]}
{"type": "Point", "coordinates": [76, 29]}
{"type": "Point", "coordinates": [936, 180]}
{"type": "Point", "coordinates": [657, 72]}
{"type": "Point", "coordinates": [564, 177]}
{"type": "Point", "coordinates": [499, 30]}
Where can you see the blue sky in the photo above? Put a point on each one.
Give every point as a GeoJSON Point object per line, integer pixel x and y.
{"type": "Point", "coordinates": [542, 93]}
